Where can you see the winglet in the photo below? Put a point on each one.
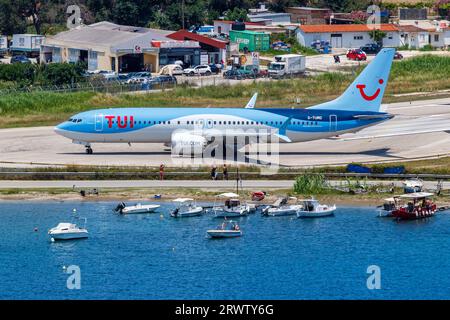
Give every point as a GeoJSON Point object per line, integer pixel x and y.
{"type": "Point", "coordinates": [251, 104]}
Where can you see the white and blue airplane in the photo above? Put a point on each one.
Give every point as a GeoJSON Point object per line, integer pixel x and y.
{"type": "Point", "coordinates": [357, 108]}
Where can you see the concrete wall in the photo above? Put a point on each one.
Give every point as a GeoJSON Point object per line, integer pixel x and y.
{"type": "Point", "coordinates": [224, 27]}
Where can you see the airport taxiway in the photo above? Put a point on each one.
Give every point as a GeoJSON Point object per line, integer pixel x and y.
{"type": "Point", "coordinates": [25, 147]}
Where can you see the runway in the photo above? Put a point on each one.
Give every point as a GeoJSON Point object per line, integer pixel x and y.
{"type": "Point", "coordinates": [40, 146]}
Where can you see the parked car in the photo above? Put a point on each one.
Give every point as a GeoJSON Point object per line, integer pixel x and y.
{"type": "Point", "coordinates": [371, 48]}
{"type": "Point", "coordinates": [202, 69]}
{"type": "Point", "coordinates": [165, 78]}
{"type": "Point", "coordinates": [20, 59]}
{"type": "Point", "coordinates": [234, 74]}
{"type": "Point", "coordinates": [135, 80]}
{"type": "Point", "coordinates": [215, 68]}
{"type": "Point", "coordinates": [356, 54]}
{"type": "Point", "coordinates": [172, 69]}
{"type": "Point", "coordinates": [140, 74]}
{"type": "Point", "coordinates": [398, 56]}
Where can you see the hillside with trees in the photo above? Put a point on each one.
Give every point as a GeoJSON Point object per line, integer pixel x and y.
{"type": "Point", "coordinates": [49, 16]}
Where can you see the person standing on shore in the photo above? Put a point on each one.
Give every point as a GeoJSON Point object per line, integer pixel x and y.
{"type": "Point", "coordinates": [214, 173]}
{"type": "Point", "coordinates": [161, 172]}
{"type": "Point", "coordinates": [225, 172]}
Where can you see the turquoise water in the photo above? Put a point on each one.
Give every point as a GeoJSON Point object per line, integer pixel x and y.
{"type": "Point", "coordinates": [148, 257]}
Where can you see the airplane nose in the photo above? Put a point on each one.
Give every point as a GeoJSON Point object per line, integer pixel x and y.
{"type": "Point", "coordinates": [59, 129]}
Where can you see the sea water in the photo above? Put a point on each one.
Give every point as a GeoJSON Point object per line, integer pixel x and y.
{"type": "Point", "coordinates": [154, 256]}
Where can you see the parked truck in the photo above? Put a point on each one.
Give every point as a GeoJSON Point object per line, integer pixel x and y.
{"type": "Point", "coordinates": [287, 65]}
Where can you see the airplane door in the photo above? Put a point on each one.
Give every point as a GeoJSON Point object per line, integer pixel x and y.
{"type": "Point", "coordinates": [333, 122]}
{"type": "Point", "coordinates": [98, 122]}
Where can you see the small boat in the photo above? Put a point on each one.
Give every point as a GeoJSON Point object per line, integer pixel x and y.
{"type": "Point", "coordinates": [137, 208]}
{"type": "Point", "coordinates": [389, 206]}
{"type": "Point", "coordinates": [227, 229]}
{"type": "Point", "coordinates": [68, 231]}
{"type": "Point", "coordinates": [313, 209]}
{"type": "Point", "coordinates": [412, 185]}
{"type": "Point", "coordinates": [282, 207]}
{"type": "Point", "coordinates": [186, 207]}
{"type": "Point", "coordinates": [418, 206]}
{"type": "Point", "coordinates": [232, 208]}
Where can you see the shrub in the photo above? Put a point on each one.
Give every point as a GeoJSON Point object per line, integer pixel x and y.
{"type": "Point", "coordinates": [310, 183]}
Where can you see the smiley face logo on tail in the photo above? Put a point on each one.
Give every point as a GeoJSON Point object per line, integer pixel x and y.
{"type": "Point", "coordinates": [361, 88]}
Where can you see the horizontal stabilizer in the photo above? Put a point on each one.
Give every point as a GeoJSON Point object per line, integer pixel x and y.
{"type": "Point", "coordinates": [373, 116]}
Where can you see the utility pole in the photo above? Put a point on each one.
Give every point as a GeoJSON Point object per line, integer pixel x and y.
{"type": "Point", "coordinates": [182, 14]}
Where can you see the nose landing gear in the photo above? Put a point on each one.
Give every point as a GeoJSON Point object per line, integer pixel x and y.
{"type": "Point", "coordinates": [89, 150]}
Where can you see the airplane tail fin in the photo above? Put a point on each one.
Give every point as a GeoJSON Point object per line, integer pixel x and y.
{"type": "Point", "coordinates": [366, 92]}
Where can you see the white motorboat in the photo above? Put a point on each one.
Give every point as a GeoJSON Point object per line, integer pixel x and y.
{"type": "Point", "coordinates": [232, 207]}
{"type": "Point", "coordinates": [137, 208]}
{"type": "Point", "coordinates": [227, 229]}
{"type": "Point", "coordinates": [186, 207]}
{"type": "Point", "coordinates": [68, 231]}
{"type": "Point", "coordinates": [412, 185]}
{"type": "Point", "coordinates": [389, 206]}
{"type": "Point", "coordinates": [313, 209]}
{"type": "Point", "coordinates": [282, 207]}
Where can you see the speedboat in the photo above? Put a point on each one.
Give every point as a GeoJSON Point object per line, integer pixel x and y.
{"type": "Point", "coordinates": [137, 208]}
{"type": "Point", "coordinates": [313, 209]}
{"type": "Point", "coordinates": [186, 207]}
{"type": "Point", "coordinates": [281, 208]}
{"type": "Point", "coordinates": [227, 229]}
{"type": "Point", "coordinates": [419, 206]}
{"type": "Point", "coordinates": [232, 207]}
{"type": "Point", "coordinates": [68, 231]}
{"type": "Point", "coordinates": [412, 185]}
{"type": "Point", "coordinates": [389, 206]}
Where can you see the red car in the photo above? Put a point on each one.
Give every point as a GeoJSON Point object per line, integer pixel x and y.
{"type": "Point", "coordinates": [356, 54]}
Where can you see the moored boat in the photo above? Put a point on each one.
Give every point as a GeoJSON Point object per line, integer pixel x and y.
{"type": "Point", "coordinates": [419, 206]}
{"type": "Point", "coordinates": [282, 207]}
{"type": "Point", "coordinates": [137, 208]}
{"type": "Point", "coordinates": [68, 231]}
{"type": "Point", "coordinates": [389, 206]}
{"type": "Point", "coordinates": [227, 229]}
{"type": "Point", "coordinates": [313, 209]}
{"type": "Point", "coordinates": [186, 207]}
{"type": "Point", "coordinates": [232, 207]}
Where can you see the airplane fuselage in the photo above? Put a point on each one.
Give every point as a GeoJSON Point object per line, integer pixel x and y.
{"type": "Point", "coordinates": [140, 125]}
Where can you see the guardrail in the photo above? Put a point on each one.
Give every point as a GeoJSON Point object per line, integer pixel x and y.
{"type": "Point", "coordinates": [43, 175]}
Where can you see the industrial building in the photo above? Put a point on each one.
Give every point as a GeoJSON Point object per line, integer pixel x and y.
{"type": "Point", "coordinates": [108, 46]}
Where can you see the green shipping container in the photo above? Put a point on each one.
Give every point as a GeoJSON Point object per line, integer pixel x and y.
{"type": "Point", "coordinates": [253, 41]}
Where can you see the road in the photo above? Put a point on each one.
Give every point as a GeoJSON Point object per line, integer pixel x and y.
{"type": "Point", "coordinates": [156, 184]}
{"type": "Point", "coordinates": [25, 147]}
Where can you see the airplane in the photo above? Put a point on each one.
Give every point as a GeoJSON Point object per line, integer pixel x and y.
{"type": "Point", "coordinates": [357, 108]}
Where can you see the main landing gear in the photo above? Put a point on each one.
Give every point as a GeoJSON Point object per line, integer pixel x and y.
{"type": "Point", "coordinates": [89, 150]}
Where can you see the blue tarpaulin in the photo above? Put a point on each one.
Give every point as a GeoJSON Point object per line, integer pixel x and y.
{"type": "Point", "coordinates": [358, 169]}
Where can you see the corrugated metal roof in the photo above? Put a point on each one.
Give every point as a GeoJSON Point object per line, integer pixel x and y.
{"type": "Point", "coordinates": [108, 35]}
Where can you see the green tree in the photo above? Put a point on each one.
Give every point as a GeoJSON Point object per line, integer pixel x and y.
{"type": "Point", "coordinates": [125, 12]}
{"type": "Point", "coordinates": [236, 14]}
{"type": "Point", "coordinates": [377, 35]}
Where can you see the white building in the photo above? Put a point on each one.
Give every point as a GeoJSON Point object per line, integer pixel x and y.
{"type": "Point", "coordinates": [413, 37]}
{"type": "Point", "coordinates": [28, 44]}
{"type": "Point", "coordinates": [3, 44]}
{"type": "Point", "coordinates": [346, 35]}
{"type": "Point", "coordinates": [437, 30]}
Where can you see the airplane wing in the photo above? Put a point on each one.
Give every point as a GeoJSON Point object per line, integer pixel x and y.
{"type": "Point", "coordinates": [402, 126]}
